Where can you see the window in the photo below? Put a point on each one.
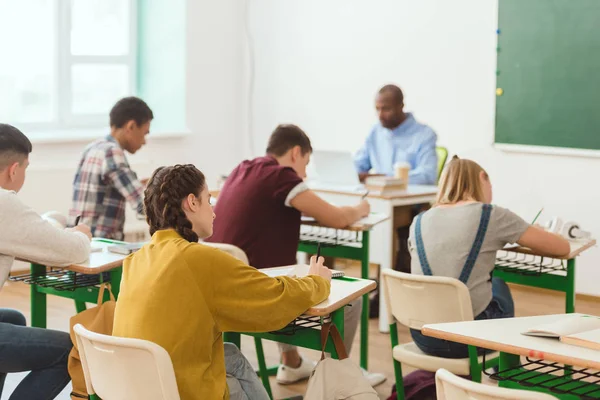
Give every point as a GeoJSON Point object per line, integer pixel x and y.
{"type": "Point", "coordinates": [65, 63]}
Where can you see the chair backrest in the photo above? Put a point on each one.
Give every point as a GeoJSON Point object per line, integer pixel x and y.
{"type": "Point", "coordinates": [230, 249]}
{"type": "Point", "coordinates": [452, 387]}
{"type": "Point", "coordinates": [442, 156]}
{"type": "Point", "coordinates": [122, 368]}
{"type": "Point", "coordinates": [416, 300]}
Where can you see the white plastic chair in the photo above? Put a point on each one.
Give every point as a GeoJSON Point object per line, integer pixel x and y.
{"type": "Point", "coordinates": [230, 249]}
{"type": "Point", "coordinates": [452, 387]}
{"type": "Point", "coordinates": [416, 300]}
{"type": "Point", "coordinates": [121, 368]}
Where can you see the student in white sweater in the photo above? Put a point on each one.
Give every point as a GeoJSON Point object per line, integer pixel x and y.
{"type": "Point", "coordinates": [24, 234]}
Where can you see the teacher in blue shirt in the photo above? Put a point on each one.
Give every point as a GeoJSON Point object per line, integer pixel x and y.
{"type": "Point", "coordinates": [398, 137]}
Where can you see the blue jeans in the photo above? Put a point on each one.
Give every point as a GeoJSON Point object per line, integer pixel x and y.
{"type": "Point", "coordinates": [44, 352]}
{"type": "Point", "coordinates": [501, 306]}
{"type": "Point", "coordinates": [242, 380]}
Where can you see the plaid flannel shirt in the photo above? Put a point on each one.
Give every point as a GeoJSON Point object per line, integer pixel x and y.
{"type": "Point", "coordinates": [104, 183]}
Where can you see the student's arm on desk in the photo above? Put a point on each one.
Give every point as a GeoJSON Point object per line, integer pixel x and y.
{"type": "Point", "coordinates": [308, 203]}
{"type": "Point", "coordinates": [544, 243]}
{"type": "Point", "coordinates": [243, 299]}
{"type": "Point", "coordinates": [27, 236]}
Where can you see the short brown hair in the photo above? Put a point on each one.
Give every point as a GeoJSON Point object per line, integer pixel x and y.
{"type": "Point", "coordinates": [286, 137]}
{"type": "Point", "coordinates": [14, 146]}
{"type": "Point", "coordinates": [460, 181]}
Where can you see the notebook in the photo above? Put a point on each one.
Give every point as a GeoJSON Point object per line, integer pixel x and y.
{"type": "Point", "coordinates": [579, 330]}
{"type": "Point", "coordinates": [126, 248]}
{"type": "Point", "coordinates": [298, 271]}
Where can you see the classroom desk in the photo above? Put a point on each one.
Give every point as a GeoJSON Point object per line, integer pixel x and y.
{"type": "Point", "coordinates": [301, 332]}
{"type": "Point", "coordinates": [383, 241]}
{"type": "Point", "coordinates": [78, 282]}
{"type": "Point", "coordinates": [543, 355]}
{"type": "Point", "coordinates": [351, 243]}
{"type": "Point", "coordinates": [522, 266]}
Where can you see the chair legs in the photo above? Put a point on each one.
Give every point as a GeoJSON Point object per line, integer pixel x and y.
{"type": "Point", "coordinates": [399, 380]}
{"type": "Point", "coordinates": [474, 367]}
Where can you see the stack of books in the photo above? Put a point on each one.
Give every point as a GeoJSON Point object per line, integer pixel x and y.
{"type": "Point", "coordinates": [384, 184]}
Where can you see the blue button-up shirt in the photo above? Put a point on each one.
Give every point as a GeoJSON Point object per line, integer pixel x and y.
{"type": "Point", "coordinates": [410, 142]}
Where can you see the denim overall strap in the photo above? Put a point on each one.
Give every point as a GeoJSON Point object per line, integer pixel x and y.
{"type": "Point", "coordinates": [486, 211]}
{"type": "Point", "coordinates": [420, 248]}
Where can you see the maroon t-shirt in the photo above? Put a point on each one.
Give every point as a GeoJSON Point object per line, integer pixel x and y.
{"type": "Point", "coordinates": [252, 215]}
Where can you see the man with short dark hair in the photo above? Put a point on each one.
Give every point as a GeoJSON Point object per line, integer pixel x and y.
{"type": "Point", "coordinates": [259, 210]}
{"type": "Point", "coordinates": [398, 137]}
{"type": "Point", "coordinates": [104, 181]}
{"type": "Point", "coordinates": [24, 234]}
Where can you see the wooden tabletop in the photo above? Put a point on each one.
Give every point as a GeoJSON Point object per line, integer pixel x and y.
{"type": "Point", "coordinates": [505, 335]}
{"type": "Point", "coordinates": [99, 261]}
{"type": "Point", "coordinates": [364, 224]}
{"type": "Point", "coordinates": [411, 191]}
{"type": "Point", "coordinates": [343, 291]}
{"type": "Point", "coordinates": [577, 247]}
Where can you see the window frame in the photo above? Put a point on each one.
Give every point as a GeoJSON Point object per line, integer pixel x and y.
{"type": "Point", "coordinates": [63, 119]}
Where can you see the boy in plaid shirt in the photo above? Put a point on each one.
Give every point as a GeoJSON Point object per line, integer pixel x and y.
{"type": "Point", "coordinates": [104, 181]}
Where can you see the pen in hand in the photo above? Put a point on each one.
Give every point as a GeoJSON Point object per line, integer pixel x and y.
{"type": "Point", "coordinates": [364, 196]}
{"type": "Point", "coordinates": [77, 220]}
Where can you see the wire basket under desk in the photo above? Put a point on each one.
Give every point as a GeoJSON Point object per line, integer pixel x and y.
{"type": "Point", "coordinates": [330, 236]}
{"type": "Point", "coordinates": [527, 264]}
{"type": "Point", "coordinates": [62, 279]}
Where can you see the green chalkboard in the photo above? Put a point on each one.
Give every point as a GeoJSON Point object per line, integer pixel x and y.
{"type": "Point", "coordinates": [548, 83]}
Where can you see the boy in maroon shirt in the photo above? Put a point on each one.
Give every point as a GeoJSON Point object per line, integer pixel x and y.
{"type": "Point", "coordinates": [259, 210]}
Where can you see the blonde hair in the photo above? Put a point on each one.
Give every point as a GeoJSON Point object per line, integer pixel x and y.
{"type": "Point", "coordinates": [460, 181]}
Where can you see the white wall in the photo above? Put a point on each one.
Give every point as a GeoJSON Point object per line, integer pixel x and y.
{"type": "Point", "coordinates": [319, 64]}
{"type": "Point", "coordinates": [214, 75]}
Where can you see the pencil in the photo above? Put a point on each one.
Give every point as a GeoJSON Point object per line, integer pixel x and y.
{"type": "Point", "coordinates": [538, 214]}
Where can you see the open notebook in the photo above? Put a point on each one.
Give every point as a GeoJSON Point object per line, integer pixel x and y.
{"type": "Point", "coordinates": [297, 271]}
{"type": "Point", "coordinates": [578, 330]}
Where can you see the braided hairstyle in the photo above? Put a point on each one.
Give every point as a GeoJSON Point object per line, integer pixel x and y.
{"type": "Point", "coordinates": [166, 189]}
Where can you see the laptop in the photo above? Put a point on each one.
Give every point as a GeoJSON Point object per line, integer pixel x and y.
{"type": "Point", "coordinates": [333, 170]}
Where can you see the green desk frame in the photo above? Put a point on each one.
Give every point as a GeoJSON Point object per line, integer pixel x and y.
{"type": "Point", "coordinates": [308, 338]}
{"type": "Point", "coordinates": [353, 253]}
{"type": "Point", "coordinates": [555, 277]}
{"type": "Point", "coordinates": [80, 295]}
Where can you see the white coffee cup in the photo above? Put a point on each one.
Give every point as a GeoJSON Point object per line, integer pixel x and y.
{"type": "Point", "coordinates": [401, 170]}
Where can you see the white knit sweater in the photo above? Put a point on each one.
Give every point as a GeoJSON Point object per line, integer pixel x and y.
{"type": "Point", "coordinates": [24, 234]}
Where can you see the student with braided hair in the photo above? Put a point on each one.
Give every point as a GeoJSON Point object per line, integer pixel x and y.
{"type": "Point", "coordinates": [183, 295]}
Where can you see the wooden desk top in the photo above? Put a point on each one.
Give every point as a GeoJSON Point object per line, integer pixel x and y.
{"type": "Point", "coordinates": [99, 261]}
{"type": "Point", "coordinates": [411, 191]}
{"type": "Point", "coordinates": [364, 224]}
{"type": "Point", "coordinates": [343, 291]}
{"type": "Point", "coordinates": [577, 247]}
{"type": "Point", "coordinates": [505, 335]}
